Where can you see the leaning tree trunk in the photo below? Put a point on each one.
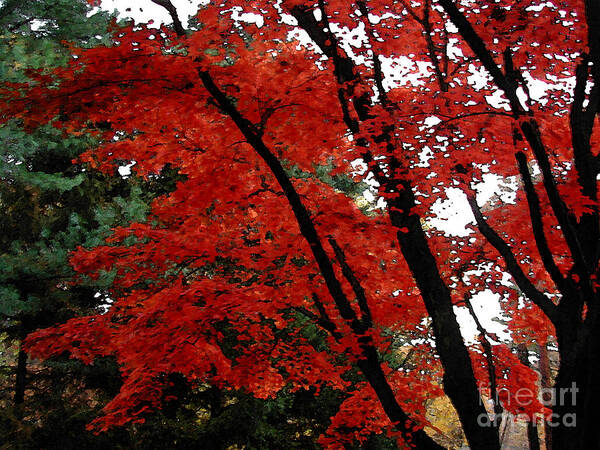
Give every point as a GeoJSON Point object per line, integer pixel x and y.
{"type": "Point", "coordinates": [576, 419]}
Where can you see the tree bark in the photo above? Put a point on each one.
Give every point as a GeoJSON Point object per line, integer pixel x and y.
{"type": "Point", "coordinates": [20, 377]}
{"type": "Point", "coordinates": [576, 389]}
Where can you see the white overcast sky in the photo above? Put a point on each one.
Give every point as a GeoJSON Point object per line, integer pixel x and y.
{"type": "Point", "coordinates": [144, 10]}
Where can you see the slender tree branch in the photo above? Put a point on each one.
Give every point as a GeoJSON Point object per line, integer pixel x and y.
{"type": "Point", "coordinates": [324, 316]}
{"type": "Point", "coordinates": [479, 113]}
{"type": "Point", "coordinates": [446, 40]}
{"type": "Point", "coordinates": [482, 53]}
{"type": "Point", "coordinates": [326, 324]}
{"type": "Point", "coordinates": [530, 130]}
{"type": "Point", "coordinates": [177, 25]}
{"type": "Point", "coordinates": [343, 65]}
{"type": "Point", "coordinates": [489, 357]}
{"type": "Point", "coordinates": [582, 122]}
{"type": "Point", "coordinates": [321, 33]}
{"type": "Point", "coordinates": [356, 286]}
{"type": "Point", "coordinates": [303, 218]}
{"type": "Point", "coordinates": [320, 307]}
{"type": "Point", "coordinates": [410, 11]}
{"type": "Point", "coordinates": [513, 75]}
{"type": "Point", "coordinates": [327, 42]}
{"type": "Point", "coordinates": [565, 218]}
{"type": "Point", "coordinates": [537, 225]}
{"type": "Point", "coordinates": [431, 50]}
{"type": "Point", "coordinates": [378, 73]}
{"type": "Point", "coordinates": [512, 265]}
{"type": "Point", "coordinates": [350, 122]}
{"type": "Point", "coordinates": [343, 70]}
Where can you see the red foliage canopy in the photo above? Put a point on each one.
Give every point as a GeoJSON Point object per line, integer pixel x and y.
{"type": "Point", "coordinates": [257, 246]}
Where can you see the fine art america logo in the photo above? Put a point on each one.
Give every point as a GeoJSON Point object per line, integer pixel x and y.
{"type": "Point", "coordinates": [525, 397]}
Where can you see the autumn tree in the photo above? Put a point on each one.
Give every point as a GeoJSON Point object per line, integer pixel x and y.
{"type": "Point", "coordinates": [51, 206]}
{"type": "Point", "coordinates": [254, 239]}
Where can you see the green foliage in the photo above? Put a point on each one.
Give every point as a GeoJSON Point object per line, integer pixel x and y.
{"type": "Point", "coordinates": [34, 34]}
{"type": "Point", "coordinates": [48, 202]}
{"type": "Point", "coordinates": [50, 206]}
{"type": "Point", "coordinates": [13, 304]}
{"type": "Point", "coordinates": [54, 19]}
{"type": "Point", "coordinates": [341, 182]}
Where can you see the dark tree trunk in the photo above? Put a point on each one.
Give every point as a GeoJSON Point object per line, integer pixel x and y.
{"type": "Point", "coordinates": [20, 378]}
{"type": "Point", "coordinates": [575, 420]}
{"type": "Point", "coordinates": [371, 368]}
{"type": "Point", "coordinates": [564, 437]}
{"type": "Point", "coordinates": [532, 436]}
{"type": "Point", "coordinates": [459, 381]}
{"type": "Point", "coordinates": [587, 398]}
